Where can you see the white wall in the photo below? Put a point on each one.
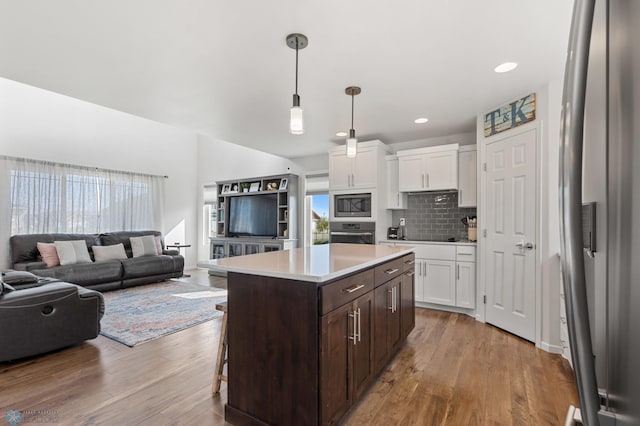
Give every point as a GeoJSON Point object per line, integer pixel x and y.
{"type": "Point", "coordinates": [42, 125]}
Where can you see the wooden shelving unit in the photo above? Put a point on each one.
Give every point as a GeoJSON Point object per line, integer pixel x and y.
{"type": "Point", "coordinates": [286, 188]}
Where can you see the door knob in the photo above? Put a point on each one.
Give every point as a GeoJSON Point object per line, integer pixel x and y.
{"type": "Point", "coordinates": [522, 245]}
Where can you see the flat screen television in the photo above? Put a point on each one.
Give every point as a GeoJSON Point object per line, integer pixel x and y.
{"type": "Point", "coordinates": [253, 215]}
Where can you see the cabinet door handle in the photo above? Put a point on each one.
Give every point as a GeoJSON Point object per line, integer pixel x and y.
{"type": "Point", "coordinates": [398, 203]}
{"type": "Point", "coordinates": [352, 289]}
{"type": "Point", "coordinates": [359, 325]}
{"type": "Point", "coordinates": [390, 292]}
{"type": "Point", "coordinates": [427, 180]}
{"type": "Point", "coordinates": [423, 180]}
{"type": "Point", "coordinates": [425, 268]}
{"type": "Point", "coordinates": [391, 271]}
{"type": "Point", "coordinates": [354, 315]}
{"type": "Point", "coordinates": [395, 299]}
{"type": "Point", "coordinates": [458, 272]}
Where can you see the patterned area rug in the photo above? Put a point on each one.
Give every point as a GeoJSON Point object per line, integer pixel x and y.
{"type": "Point", "coordinates": [139, 314]}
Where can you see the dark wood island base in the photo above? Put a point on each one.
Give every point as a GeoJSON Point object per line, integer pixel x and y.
{"type": "Point", "coordinates": [303, 352]}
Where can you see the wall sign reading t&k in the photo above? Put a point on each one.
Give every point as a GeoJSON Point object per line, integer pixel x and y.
{"type": "Point", "coordinates": [511, 115]}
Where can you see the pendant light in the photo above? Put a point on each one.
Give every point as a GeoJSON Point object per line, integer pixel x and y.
{"type": "Point", "coordinates": [296, 122]}
{"type": "Point", "coordinates": [352, 142]}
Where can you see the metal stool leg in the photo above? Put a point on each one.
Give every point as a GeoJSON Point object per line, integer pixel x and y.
{"type": "Point", "coordinates": [218, 376]}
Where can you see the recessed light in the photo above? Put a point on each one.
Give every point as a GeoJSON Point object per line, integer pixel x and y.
{"type": "Point", "coordinates": [341, 134]}
{"type": "Point", "coordinates": [506, 67]}
{"type": "Point", "coordinates": [420, 120]}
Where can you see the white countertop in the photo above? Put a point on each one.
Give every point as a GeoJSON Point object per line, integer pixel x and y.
{"type": "Point", "coordinates": [318, 264]}
{"type": "Point", "coordinates": [452, 243]}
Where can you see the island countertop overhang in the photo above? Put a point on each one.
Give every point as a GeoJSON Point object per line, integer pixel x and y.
{"type": "Point", "coordinates": [319, 264]}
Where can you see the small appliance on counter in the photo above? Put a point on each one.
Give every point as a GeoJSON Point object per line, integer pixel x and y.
{"type": "Point", "coordinates": [392, 233]}
{"type": "Point", "coordinates": [402, 229]}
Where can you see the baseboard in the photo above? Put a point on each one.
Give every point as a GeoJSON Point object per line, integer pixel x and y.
{"type": "Point", "coordinates": [554, 349]}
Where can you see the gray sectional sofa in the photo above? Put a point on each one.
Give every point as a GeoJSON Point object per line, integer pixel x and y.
{"type": "Point", "coordinates": [104, 275]}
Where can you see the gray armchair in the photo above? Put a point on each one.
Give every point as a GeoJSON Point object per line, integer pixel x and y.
{"type": "Point", "coordinates": [46, 318]}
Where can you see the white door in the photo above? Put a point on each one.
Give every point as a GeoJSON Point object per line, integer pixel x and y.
{"type": "Point", "coordinates": [511, 224]}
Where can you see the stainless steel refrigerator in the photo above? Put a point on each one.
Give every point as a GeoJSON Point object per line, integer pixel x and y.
{"type": "Point", "coordinates": [600, 166]}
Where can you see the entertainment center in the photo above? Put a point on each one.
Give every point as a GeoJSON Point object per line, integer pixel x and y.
{"type": "Point", "coordinates": [255, 215]}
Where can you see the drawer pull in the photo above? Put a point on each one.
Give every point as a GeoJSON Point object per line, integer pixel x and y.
{"type": "Point", "coordinates": [352, 289]}
{"type": "Point", "coordinates": [391, 271]}
{"type": "Point", "coordinates": [465, 254]}
{"type": "Point", "coordinates": [409, 262]}
{"type": "Point", "coordinates": [410, 273]}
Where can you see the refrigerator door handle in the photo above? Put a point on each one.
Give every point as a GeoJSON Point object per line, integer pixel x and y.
{"type": "Point", "coordinates": [571, 146]}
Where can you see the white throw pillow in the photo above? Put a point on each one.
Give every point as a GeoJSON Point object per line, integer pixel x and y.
{"type": "Point", "coordinates": [71, 252]}
{"type": "Point", "coordinates": [143, 246]}
{"type": "Point", "coordinates": [113, 252]}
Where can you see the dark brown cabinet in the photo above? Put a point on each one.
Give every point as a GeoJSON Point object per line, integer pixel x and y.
{"type": "Point", "coordinates": [302, 352]}
{"type": "Point", "coordinates": [407, 296]}
{"type": "Point", "coordinates": [346, 365]}
{"type": "Point", "coordinates": [387, 321]}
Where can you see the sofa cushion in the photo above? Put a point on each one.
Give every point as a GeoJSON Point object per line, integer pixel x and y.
{"type": "Point", "coordinates": [147, 266]}
{"type": "Point", "coordinates": [114, 252]}
{"type": "Point", "coordinates": [18, 277]}
{"type": "Point", "coordinates": [110, 238]}
{"type": "Point", "coordinates": [72, 252]}
{"type": "Point", "coordinates": [24, 247]}
{"type": "Point", "coordinates": [49, 254]}
{"type": "Point", "coordinates": [144, 246]}
{"type": "Point", "coordinates": [85, 273]}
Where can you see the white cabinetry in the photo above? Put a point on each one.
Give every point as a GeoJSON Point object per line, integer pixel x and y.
{"type": "Point", "coordinates": [395, 198]}
{"type": "Point", "coordinates": [466, 277]}
{"type": "Point", "coordinates": [353, 173]}
{"type": "Point", "coordinates": [445, 274]}
{"type": "Point", "coordinates": [428, 169]}
{"type": "Point", "coordinates": [467, 176]}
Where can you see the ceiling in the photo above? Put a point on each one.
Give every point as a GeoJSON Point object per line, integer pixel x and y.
{"type": "Point", "coordinates": [223, 69]}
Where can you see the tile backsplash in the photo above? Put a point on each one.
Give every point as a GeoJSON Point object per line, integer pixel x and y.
{"type": "Point", "coordinates": [434, 216]}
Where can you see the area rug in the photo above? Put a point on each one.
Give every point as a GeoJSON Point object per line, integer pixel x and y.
{"type": "Point", "coordinates": [139, 314]}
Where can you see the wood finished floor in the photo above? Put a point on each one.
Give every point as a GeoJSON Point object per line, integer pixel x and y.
{"type": "Point", "coordinates": [451, 371]}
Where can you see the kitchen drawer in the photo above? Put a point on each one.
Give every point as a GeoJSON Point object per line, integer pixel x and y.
{"type": "Point", "coordinates": [408, 262]}
{"type": "Point", "coordinates": [435, 251]}
{"type": "Point", "coordinates": [465, 253]}
{"type": "Point", "coordinates": [388, 271]}
{"type": "Point", "coordinates": [337, 293]}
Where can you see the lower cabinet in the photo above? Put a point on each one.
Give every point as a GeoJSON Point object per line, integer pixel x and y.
{"type": "Point", "coordinates": [466, 285]}
{"type": "Point", "coordinates": [440, 282]}
{"type": "Point", "coordinates": [387, 321]}
{"type": "Point", "coordinates": [346, 364]}
{"type": "Point", "coordinates": [407, 297]}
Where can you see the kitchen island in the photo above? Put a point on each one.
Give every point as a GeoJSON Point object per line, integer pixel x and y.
{"type": "Point", "coordinates": [310, 328]}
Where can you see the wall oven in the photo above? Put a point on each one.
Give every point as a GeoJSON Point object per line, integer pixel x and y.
{"type": "Point", "coordinates": [352, 232]}
{"type": "Point", "coordinates": [352, 205]}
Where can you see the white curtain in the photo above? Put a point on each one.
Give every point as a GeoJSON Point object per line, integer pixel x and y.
{"type": "Point", "coordinates": [44, 197]}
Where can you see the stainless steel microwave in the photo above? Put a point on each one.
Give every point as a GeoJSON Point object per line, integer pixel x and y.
{"type": "Point", "coordinates": [352, 205]}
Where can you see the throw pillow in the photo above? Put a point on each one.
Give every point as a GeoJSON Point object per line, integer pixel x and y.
{"type": "Point", "coordinates": [113, 252]}
{"type": "Point", "coordinates": [158, 244]}
{"type": "Point", "coordinates": [71, 252]}
{"type": "Point", "coordinates": [49, 254]}
{"type": "Point", "coordinates": [143, 246]}
{"type": "Point", "coordinates": [19, 277]}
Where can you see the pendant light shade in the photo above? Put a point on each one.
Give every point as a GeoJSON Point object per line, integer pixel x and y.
{"type": "Point", "coordinates": [296, 120]}
{"type": "Point", "coordinates": [352, 142]}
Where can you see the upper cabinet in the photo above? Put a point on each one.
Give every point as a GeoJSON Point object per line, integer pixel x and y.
{"type": "Point", "coordinates": [395, 198]}
{"type": "Point", "coordinates": [428, 169]}
{"type": "Point", "coordinates": [467, 176]}
{"type": "Point", "coordinates": [358, 172]}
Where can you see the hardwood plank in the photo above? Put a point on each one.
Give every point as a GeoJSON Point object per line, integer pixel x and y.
{"type": "Point", "coordinates": [451, 371]}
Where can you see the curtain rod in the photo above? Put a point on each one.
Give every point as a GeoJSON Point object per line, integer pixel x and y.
{"type": "Point", "coordinates": [31, 160]}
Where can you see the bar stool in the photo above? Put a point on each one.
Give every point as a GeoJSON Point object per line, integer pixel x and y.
{"type": "Point", "coordinates": [222, 350]}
